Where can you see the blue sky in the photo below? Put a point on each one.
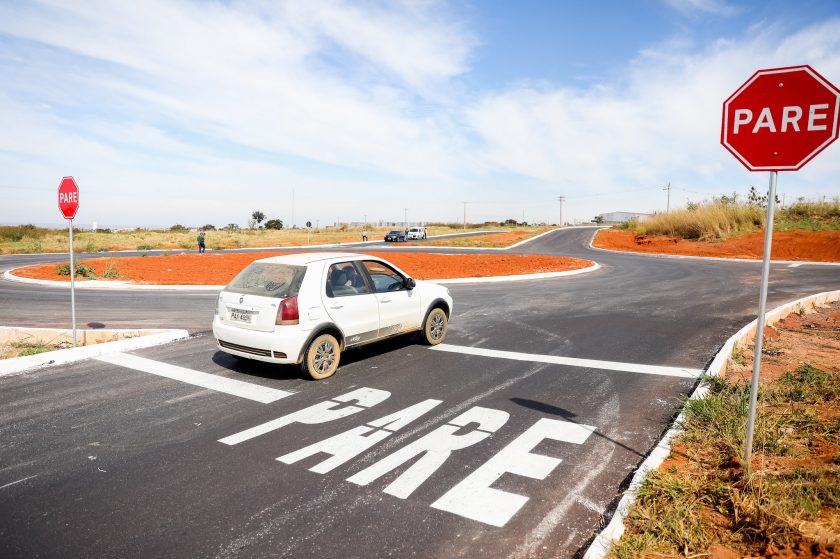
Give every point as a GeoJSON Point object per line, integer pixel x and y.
{"type": "Point", "coordinates": [202, 112]}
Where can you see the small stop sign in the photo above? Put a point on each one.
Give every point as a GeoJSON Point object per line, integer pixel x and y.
{"type": "Point", "coordinates": [781, 118]}
{"type": "Point", "coordinates": [68, 197]}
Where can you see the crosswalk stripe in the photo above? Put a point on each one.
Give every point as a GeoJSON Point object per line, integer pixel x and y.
{"type": "Point", "coordinates": [218, 383]}
{"type": "Point", "coordinates": [572, 361]}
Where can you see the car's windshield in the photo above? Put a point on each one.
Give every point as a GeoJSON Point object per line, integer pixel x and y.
{"type": "Point", "coordinates": [269, 280]}
{"type": "Point", "coordinates": [395, 233]}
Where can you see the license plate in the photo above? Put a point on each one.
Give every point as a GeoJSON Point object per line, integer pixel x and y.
{"type": "Point", "coordinates": [241, 315]}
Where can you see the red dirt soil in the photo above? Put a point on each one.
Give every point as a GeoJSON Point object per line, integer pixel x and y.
{"type": "Point", "coordinates": [812, 246]}
{"type": "Point", "coordinates": [219, 269]}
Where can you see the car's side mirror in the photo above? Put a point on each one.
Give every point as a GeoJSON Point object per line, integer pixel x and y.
{"type": "Point", "coordinates": [410, 283]}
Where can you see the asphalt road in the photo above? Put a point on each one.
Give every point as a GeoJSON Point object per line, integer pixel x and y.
{"type": "Point", "coordinates": [479, 453]}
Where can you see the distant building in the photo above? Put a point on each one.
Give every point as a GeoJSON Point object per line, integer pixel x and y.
{"type": "Point", "coordinates": [620, 217]}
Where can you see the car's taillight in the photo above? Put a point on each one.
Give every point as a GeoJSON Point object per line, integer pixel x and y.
{"type": "Point", "coordinates": [288, 312]}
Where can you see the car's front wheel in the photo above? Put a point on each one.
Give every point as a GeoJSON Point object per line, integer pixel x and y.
{"type": "Point", "coordinates": [434, 329]}
{"type": "Point", "coordinates": [321, 358]}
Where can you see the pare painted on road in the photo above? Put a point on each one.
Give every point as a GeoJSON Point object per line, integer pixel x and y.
{"type": "Point", "coordinates": [473, 497]}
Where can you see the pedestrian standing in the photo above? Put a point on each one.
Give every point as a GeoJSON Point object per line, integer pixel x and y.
{"type": "Point", "coordinates": [364, 234]}
{"type": "Point", "coordinates": [200, 240]}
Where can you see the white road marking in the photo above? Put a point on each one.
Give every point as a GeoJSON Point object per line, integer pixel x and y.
{"type": "Point", "coordinates": [572, 361]}
{"type": "Point", "coordinates": [794, 265]}
{"type": "Point", "coordinates": [474, 497]}
{"type": "Point", "coordinates": [433, 449]}
{"type": "Point", "coordinates": [349, 444]}
{"type": "Point", "coordinates": [321, 412]}
{"type": "Point", "coordinates": [16, 482]}
{"type": "Point", "coordinates": [239, 388]}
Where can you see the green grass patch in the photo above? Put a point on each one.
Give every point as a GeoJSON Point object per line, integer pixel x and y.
{"type": "Point", "coordinates": [22, 349]}
{"type": "Point", "coordinates": [82, 270]}
{"type": "Point", "coordinates": [709, 499]}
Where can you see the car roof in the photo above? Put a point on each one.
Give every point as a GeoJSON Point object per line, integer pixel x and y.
{"type": "Point", "coordinates": [305, 258]}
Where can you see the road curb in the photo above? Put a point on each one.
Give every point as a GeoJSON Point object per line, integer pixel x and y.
{"type": "Point", "coordinates": [63, 356]}
{"type": "Point", "coordinates": [599, 548]}
{"type": "Point", "coordinates": [520, 277]}
{"type": "Point", "coordinates": [100, 284]}
{"type": "Point", "coordinates": [709, 258]}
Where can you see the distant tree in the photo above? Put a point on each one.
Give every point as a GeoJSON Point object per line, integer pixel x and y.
{"type": "Point", "coordinates": [756, 199]}
{"type": "Point", "coordinates": [231, 227]}
{"type": "Point", "coordinates": [598, 219]}
{"type": "Point", "coordinates": [692, 206]}
{"type": "Point", "coordinates": [510, 222]}
{"type": "Point", "coordinates": [256, 218]}
{"type": "Point", "coordinates": [177, 227]}
{"type": "Point", "coordinates": [208, 227]}
{"type": "Point", "coordinates": [274, 224]}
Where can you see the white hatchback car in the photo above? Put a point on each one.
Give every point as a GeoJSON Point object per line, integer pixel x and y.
{"type": "Point", "coordinates": [416, 233]}
{"type": "Point", "coordinates": [307, 308]}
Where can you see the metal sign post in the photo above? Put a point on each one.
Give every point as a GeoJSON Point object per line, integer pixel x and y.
{"type": "Point", "coordinates": [68, 205]}
{"type": "Point", "coordinates": [72, 285]}
{"type": "Point", "coordinates": [759, 327]}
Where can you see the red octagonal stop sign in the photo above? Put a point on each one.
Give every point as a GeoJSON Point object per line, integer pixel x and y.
{"type": "Point", "coordinates": [68, 197]}
{"type": "Point", "coordinates": [781, 118]}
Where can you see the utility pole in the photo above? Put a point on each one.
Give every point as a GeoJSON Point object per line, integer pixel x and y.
{"type": "Point", "coordinates": [405, 218]}
{"type": "Point", "coordinates": [561, 199]}
{"type": "Point", "coordinates": [293, 208]}
{"type": "Point", "coordinates": [365, 220]}
{"type": "Point", "coordinates": [465, 215]}
{"type": "Point", "coordinates": [668, 188]}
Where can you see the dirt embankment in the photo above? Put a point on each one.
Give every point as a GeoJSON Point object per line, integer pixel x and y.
{"type": "Point", "coordinates": [219, 269]}
{"type": "Point", "coordinates": [811, 246]}
{"type": "Point", "coordinates": [790, 505]}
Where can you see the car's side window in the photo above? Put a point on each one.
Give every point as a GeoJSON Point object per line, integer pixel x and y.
{"type": "Point", "coordinates": [384, 277]}
{"type": "Point", "coordinates": [343, 279]}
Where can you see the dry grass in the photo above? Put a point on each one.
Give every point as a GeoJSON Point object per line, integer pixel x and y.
{"type": "Point", "coordinates": [708, 222]}
{"type": "Point", "coordinates": [29, 239]}
{"type": "Point", "coordinates": [718, 221]}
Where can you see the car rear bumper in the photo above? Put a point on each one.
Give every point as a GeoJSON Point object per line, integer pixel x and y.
{"type": "Point", "coordinates": [282, 346]}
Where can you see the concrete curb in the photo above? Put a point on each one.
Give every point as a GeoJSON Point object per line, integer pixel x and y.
{"type": "Point", "coordinates": [105, 284]}
{"type": "Point", "coordinates": [615, 528]}
{"type": "Point", "coordinates": [795, 263]}
{"type": "Point", "coordinates": [63, 356]}
{"type": "Point", "coordinates": [520, 277]}
{"type": "Point", "coordinates": [97, 284]}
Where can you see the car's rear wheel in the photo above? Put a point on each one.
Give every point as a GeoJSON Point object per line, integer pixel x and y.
{"type": "Point", "coordinates": [434, 329]}
{"type": "Point", "coordinates": [321, 358]}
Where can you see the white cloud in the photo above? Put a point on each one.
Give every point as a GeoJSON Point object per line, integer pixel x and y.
{"type": "Point", "coordinates": [716, 7]}
{"type": "Point", "coordinates": [212, 110]}
{"type": "Point", "coordinates": [660, 122]}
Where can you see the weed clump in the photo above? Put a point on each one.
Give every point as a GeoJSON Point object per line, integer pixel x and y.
{"type": "Point", "coordinates": [82, 270]}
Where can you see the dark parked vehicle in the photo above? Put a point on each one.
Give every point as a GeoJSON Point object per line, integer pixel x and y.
{"type": "Point", "coordinates": [395, 237]}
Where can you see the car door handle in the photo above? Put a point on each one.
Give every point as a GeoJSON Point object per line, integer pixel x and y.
{"type": "Point", "coordinates": [385, 300]}
{"type": "Point", "coordinates": [336, 306]}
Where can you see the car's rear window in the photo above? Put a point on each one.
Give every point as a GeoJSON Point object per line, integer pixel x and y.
{"type": "Point", "coordinates": [268, 280]}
